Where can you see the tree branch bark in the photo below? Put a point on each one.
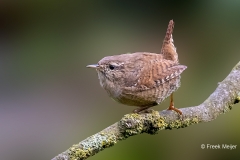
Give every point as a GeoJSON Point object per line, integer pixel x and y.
{"type": "Point", "coordinates": [220, 101]}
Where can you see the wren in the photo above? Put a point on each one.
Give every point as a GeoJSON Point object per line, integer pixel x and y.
{"type": "Point", "coordinates": [142, 79]}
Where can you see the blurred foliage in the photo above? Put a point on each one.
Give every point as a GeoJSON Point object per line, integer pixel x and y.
{"type": "Point", "coordinates": [49, 100]}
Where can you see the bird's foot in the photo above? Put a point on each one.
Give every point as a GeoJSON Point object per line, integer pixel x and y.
{"type": "Point", "coordinates": [141, 110]}
{"type": "Point", "coordinates": [171, 107]}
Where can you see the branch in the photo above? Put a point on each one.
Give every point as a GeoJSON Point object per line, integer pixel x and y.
{"type": "Point", "coordinates": [220, 101]}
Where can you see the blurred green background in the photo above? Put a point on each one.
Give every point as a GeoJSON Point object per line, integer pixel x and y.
{"type": "Point", "coordinates": [49, 100]}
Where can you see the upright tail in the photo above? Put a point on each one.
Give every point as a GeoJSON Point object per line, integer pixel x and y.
{"type": "Point", "coordinates": [168, 49]}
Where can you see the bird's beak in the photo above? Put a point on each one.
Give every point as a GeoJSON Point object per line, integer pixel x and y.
{"type": "Point", "coordinates": [93, 66]}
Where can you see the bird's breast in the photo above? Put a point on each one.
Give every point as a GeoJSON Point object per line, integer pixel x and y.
{"type": "Point", "coordinates": [112, 88]}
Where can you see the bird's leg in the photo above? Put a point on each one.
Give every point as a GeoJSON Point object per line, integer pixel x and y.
{"type": "Point", "coordinates": [142, 110]}
{"type": "Point", "coordinates": [171, 107]}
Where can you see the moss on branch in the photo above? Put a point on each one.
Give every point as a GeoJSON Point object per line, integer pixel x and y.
{"type": "Point", "coordinates": [220, 101]}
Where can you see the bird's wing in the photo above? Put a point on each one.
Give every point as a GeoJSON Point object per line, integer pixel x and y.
{"type": "Point", "coordinates": [169, 74]}
{"type": "Point", "coordinates": [157, 73]}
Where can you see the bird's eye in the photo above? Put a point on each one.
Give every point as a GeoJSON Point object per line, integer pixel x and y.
{"type": "Point", "coordinates": [111, 67]}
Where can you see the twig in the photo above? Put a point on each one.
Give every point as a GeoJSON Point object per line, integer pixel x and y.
{"type": "Point", "coordinates": [220, 101]}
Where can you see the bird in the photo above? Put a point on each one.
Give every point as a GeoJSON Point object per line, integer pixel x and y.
{"type": "Point", "coordinates": [142, 79]}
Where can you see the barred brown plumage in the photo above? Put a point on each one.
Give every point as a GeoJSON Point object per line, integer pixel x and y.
{"type": "Point", "coordinates": [142, 79]}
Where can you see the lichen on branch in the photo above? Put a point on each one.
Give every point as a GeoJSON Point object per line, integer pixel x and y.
{"type": "Point", "coordinates": [220, 101]}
